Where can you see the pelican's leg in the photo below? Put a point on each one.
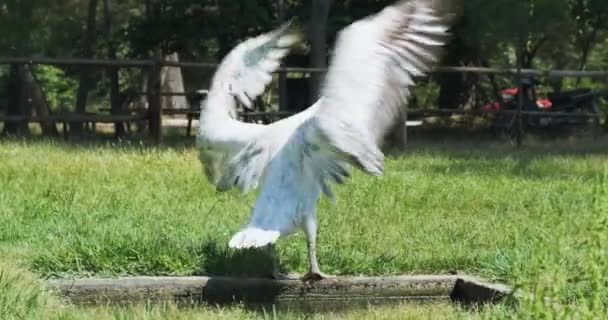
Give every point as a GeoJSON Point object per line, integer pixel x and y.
{"type": "Point", "coordinates": [314, 273]}
{"type": "Point", "coordinates": [272, 251]}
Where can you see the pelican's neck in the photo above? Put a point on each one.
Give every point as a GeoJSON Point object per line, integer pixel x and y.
{"type": "Point", "coordinates": [217, 107]}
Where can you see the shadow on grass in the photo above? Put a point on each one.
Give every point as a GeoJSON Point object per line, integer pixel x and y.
{"type": "Point", "coordinates": [219, 260]}
{"type": "Point", "coordinates": [480, 154]}
{"type": "Point", "coordinates": [450, 142]}
{"type": "Point", "coordinates": [171, 140]}
{"type": "Point", "coordinates": [136, 256]}
{"type": "Point", "coordinates": [477, 152]}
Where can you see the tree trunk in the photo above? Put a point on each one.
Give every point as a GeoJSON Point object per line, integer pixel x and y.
{"type": "Point", "coordinates": [85, 74]}
{"type": "Point", "coordinates": [173, 81]}
{"type": "Point", "coordinates": [454, 88]}
{"type": "Point", "coordinates": [318, 44]}
{"type": "Point", "coordinates": [15, 105]}
{"type": "Point", "coordinates": [530, 50]}
{"type": "Point", "coordinates": [34, 99]}
{"type": "Point", "coordinates": [115, 108]}
{"type": "Point", "coordinates": [26, 95]}
{"type": "Point", "coordinates": [586, 48]}
{"type": "Point", "coordinates": [283, 98]}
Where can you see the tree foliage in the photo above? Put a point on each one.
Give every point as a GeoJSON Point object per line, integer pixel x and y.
{"type": "Point", "coordinates": [548, 33]}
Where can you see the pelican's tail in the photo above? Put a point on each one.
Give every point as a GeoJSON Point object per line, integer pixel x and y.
{"type": "Point", "coordinates": [252, 237]}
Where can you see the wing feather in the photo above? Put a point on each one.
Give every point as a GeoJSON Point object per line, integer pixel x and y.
{"type": "Point", "coordinates": [368, 81]}
{"type": "Point", "coordinates": [246, 71]}
{"type": "Point", "coordinates": [375, 62]}
{"type": "Point", "coordinates": [242, 76]}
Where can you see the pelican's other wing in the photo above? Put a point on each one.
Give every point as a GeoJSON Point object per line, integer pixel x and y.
{"type": "Point", "coordinates": [242, 75]}
{"type": "Point", "coordinates": [374, 65]}
{"type": "Point", "coordinates": [248, 68]}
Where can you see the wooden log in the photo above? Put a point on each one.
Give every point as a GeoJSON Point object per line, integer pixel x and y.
{"type": "Point", "coordinates": [288, 293]}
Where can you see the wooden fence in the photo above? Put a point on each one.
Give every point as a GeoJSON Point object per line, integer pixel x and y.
{"type": "Point", "coordinates": [154, 114]}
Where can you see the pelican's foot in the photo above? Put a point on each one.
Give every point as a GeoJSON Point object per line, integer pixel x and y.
{"type": "Point", "coordinates": [316, 276]}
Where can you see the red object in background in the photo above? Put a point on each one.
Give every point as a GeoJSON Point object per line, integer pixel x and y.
{"type": "Point", "coordinates": [492, 106]}
{"type": "Point", "coordinates": [509, 94]}
{"type": "Point", "coordinates": [544, 103]}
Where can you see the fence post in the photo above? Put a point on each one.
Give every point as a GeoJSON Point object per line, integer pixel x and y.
{"type": "Point", "coordinates": [520, 102]}
{"type": "Point", "coordinates": [283, 99]}
{"type": "Point", "coordinates": [154, 102]}
{"type": "Point", "coordinates": [596, 118]}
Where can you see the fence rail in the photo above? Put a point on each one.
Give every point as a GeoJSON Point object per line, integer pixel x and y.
{"type": "Point", "coordinates": [153, 115]}
{"type": "Point", "coordinates": [75, 117]}
{"type": "Point", "coordinates": [163, 63]}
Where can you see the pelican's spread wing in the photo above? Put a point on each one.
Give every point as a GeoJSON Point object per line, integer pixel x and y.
{"type": "Point", "coordinates": [248, 68]}
{"type": "Point", "coordinates": [242, 75]}
{"type": "Point", "coordinates": [374, 64]}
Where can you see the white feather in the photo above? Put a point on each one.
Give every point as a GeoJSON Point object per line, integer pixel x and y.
{"type": "Point", "coordinates": [374, 63]}
{"type": "Point", "coordinates": [242, 75]}
{"type": "Point", "coordinates": [253, 238]}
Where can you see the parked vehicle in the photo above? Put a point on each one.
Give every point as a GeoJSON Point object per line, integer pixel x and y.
{"type": "Point", "coordinates": [572, 107]}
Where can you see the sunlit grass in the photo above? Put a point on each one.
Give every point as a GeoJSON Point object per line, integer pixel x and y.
{"type": "Point", "coordinates": [535, 218]}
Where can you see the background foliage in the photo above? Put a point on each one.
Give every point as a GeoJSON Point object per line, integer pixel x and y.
{"type": "Point", "coordinates": [568, 34]}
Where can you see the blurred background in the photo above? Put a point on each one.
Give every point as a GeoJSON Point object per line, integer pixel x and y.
{"type": "Point", "coordinates": [57, 76]}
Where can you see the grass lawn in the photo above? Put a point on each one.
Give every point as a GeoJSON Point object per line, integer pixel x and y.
{"type": "Point", "coordinates": [535, 218]}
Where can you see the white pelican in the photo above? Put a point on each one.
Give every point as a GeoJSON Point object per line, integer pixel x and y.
{"type": "Point", "coordinates": [374, 65]}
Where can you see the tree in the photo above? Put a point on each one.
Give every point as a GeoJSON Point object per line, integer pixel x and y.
{"type": "Point", "coordinates": [25, 93]}
{"type": "Point", "coordinates": [115, 104]}
{"type": "Point", "coordinates": [15, 106]}
{"type": "Point", "coordinates": [521, 24]}
{"type": "Point", "coordinates": [33, 98]}
{"type": "Point", "coordinates": [591, 20]}
{"type": "Point", "coordinates": [86, 79]}
{"type": "Point", "coordinates": [551, 34]}
{"type": "Point", "coordinates": [490, 33]}
{"type": "Point", "coordinates": [455, 88]}
{"type": "Point", "coordinates": [318, 43]}
{"type": "Point", "coordinates": [171, 80]}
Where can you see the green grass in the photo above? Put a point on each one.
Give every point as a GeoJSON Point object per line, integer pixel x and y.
{"type": "Point", "coordinates": [535, 218]}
